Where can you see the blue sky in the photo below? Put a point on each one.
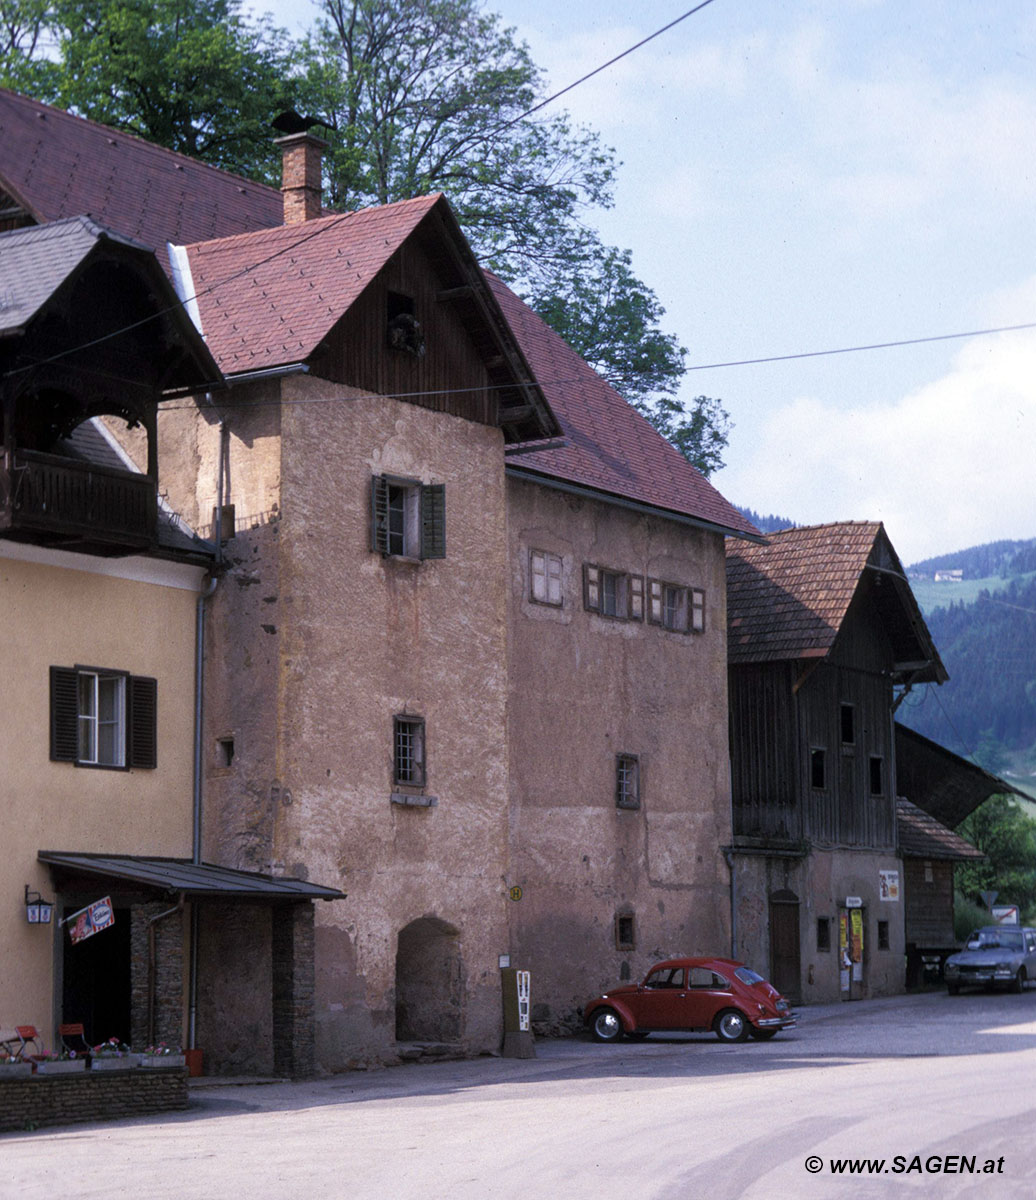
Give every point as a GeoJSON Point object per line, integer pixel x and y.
{"type": "Point", "coordinates": [800, 175]}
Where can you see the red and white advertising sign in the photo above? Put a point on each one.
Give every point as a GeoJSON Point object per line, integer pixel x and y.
{"type": "Point", "coordinates": [90, 920]}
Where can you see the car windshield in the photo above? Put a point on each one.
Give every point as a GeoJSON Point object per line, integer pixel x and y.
{"type": "Point", "coordinates": [990, 939]}
{"type": "Point", "coordinates": [747, 975]}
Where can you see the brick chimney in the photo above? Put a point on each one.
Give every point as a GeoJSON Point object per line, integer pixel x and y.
{"type": "Point", "coordinates": [302, 155]}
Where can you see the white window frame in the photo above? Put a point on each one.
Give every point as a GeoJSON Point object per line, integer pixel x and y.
{"type": "Point", "coordinates": [546, 578]}
{"type": "Point", "coordinates": [102, 718]}
{"type": "Point", "coordinates": [676, 606]}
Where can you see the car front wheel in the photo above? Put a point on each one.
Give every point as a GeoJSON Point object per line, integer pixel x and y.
{"type": "Point", "coordinates": [1019, 981]}
{"type": "Point", "coordinates": [605, 1025]}
{"type": "Point", "coordinates": [731, 1026]}
{"type": "Point", "coordinates": [953, 988]}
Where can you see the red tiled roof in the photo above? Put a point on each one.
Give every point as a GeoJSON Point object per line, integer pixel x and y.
{"type": "Point", "coordinates": [57, 165]}
{"type": "Point", "coordinates": [788, 598]}
{"type": "Point", "coordinates": [609, 446]}
{"type": "Point", "coordinates": [922, 836]}
{"type": "Point", "coordinates": [269, 298]}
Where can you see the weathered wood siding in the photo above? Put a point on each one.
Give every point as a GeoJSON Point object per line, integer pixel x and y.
{"type": "Point", "coordinates": [929, 903]}
{"type": "Point", "coordinates": [764, 775]}
{"type": "Point", "coordinates": [450, 377]}
{"type": "Point", "coordinates": [774, 730]}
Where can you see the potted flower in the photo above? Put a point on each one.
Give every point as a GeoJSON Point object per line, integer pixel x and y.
{"type": "Point", "coordinates": [64, 1062]}
{"type": "Point", "coordinates": [162, 1056]}
{"type": "Point", "coordinates": [112, 1055]}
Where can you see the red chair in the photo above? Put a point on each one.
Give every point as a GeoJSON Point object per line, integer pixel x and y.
{"type": "Point", "coordinates": [28, 1034]}
{"type": "Point", "coordinates": [73, 1039]}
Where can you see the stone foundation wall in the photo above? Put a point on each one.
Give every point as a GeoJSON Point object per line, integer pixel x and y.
{"type": "Point", "coordinates": [34, 1100]}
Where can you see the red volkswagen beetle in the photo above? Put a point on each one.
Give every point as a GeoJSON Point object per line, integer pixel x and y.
{"type": "Point", "coordinates": [691, 994]}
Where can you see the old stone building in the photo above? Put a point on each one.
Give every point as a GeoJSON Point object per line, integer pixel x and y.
{"type": "Point", "coordinates": [619, 783]}
{"type": "Point", "coordinates": [466, 659]}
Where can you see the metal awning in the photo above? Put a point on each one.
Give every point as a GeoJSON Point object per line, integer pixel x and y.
{"type": "Point", "coordinates": [194, 880]}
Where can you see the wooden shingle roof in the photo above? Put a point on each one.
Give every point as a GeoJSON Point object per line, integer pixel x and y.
{"type": "Point", "coordinates": [922, 836]}
{"type": "Point", "coordinates": [609, 447]}
{"type": "Point", "coordinates": [55, 165]}
{"type": "Point", "coordinates": [788, 599]}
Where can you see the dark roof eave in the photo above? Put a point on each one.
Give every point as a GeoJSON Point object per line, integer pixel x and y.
{"type": "Point", "coordinates": [193, 880]}
{"type": "Point", "coordinates": [590, 493]}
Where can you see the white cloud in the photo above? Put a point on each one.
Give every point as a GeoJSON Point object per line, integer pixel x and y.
{"type": "Point", "coordinates": [946, 466]}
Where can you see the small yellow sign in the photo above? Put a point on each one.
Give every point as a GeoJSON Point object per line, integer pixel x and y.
{"type": "Point", "coordinates": [515, 893]}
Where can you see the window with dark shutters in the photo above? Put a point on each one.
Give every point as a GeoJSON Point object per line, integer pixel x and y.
{"type": "Point", "coordinates": [408, 518]}
{"type": "Point", "coordinates": [143, 722]}
{"type": "Point", "coordinates": [132, 729]}
{"type": "Point", "coordinates": [64, 715]}
{"type": "Point", "coordinates": [433, 520]}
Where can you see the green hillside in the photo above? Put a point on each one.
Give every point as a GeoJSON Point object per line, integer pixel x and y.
{"type": "Point", "coordinates": [985, 629]}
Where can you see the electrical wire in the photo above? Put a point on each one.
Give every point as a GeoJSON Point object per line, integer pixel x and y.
{"type": "Point", "coordinates": [603, 67]}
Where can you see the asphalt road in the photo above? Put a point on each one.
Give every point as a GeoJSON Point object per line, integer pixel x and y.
{"type": "Point", "coordinates": [929, 1084]}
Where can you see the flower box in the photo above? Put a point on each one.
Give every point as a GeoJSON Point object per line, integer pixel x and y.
{"type": "Point", "coordinates": [13, 1070]}
{"type": "Point", "coordinates": [115, 1062]}
{"type": "Point", "coordinates": [61, 1066]}
{"type": "Point", "coordinates": [160, 1061]}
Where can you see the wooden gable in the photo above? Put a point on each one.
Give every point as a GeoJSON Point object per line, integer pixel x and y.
{"type": "Point", "coordinates": [405, 337]}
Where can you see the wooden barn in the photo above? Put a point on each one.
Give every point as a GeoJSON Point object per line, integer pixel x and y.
{"type": "Point", "coordinates": [823, 631]}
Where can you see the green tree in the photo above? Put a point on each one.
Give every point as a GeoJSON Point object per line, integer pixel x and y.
{"type": "Point", "coordinates": [1007, 836]}
{"type": "Point", "coordinates": [192, 75]}
{"type": "Point", "coordinates": [25, 36]}
{"type": "Point", "coordinates": [611, 318]}
{"type": "Point", "coordinates": [430, 95]}
{"type": "Point", "coordinates": [434, 95]}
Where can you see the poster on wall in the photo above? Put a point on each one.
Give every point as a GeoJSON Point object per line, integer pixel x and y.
{"type": "Point", "coordinates": [856, 942]}
{"type": "Point", "coordinates": [888, 885]}
{"type": "Point", "coordinates": [843, 950]}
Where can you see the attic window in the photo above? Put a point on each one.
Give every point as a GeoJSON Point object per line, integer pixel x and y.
{"type": "Point", "coordinates": [404, 329]}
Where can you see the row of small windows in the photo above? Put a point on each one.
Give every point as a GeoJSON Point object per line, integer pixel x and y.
{"type": "Point", "coordinates": [619, 594]}
{"type": "Point", "coordinates": [818, 771]}
{"type": "Point", "coordinates": [847, 729]}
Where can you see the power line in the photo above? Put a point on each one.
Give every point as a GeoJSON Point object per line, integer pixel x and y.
{"type": "Point", "coordinates": [604, 66]}
{"type": "Point", "coordinates": [939, 337]}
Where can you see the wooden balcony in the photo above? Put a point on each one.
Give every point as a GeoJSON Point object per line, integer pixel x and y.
{"type": "Point", "coordinates": [63, 502]}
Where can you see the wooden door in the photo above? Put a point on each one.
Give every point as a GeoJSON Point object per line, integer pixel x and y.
{"type": "Point", "coordinates": [785, 964]}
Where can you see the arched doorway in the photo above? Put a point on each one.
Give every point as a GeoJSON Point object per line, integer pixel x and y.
{"type": "Point", "coordinates": [429, 989]}
{"type": "Point", "coordinates": [785, 962]}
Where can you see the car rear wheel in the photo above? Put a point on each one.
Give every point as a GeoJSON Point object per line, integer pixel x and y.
{"type": "Point", "coordinates": [761, 1035]}
{"type": "Point", "coordinates": [605, 1025]}
{"type": "Point", "coordinates": [1019, 981]}
{"type": "Point", "coordinates": [953, 988]}
{"type": "Point", "coordinates": [731, 1026]}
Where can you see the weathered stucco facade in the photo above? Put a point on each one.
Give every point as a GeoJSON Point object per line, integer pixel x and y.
{"type": "Point", "coordinates": [771, 893]}
{"type": "Point", "coordinates": [584, 689]}
{"type": "Point", "coordinates": [317, 643]}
